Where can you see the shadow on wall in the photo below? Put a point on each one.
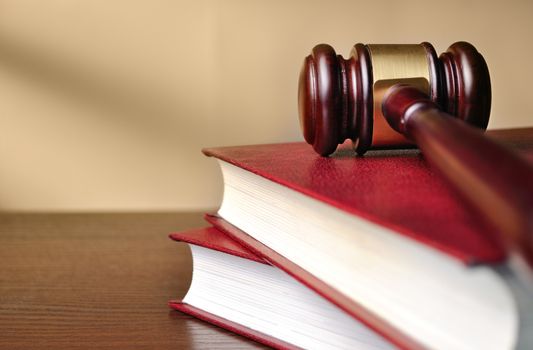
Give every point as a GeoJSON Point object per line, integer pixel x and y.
{"type": "Point", "coordinates": [132, 105]}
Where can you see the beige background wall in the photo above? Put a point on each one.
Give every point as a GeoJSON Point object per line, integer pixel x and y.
{"type": "Point", "coordinates": [105, 105]}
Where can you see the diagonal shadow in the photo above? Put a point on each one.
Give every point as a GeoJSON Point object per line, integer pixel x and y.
{"type": "Point", "coordinates": [150, 113]}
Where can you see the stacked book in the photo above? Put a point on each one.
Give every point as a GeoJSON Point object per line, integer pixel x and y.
{"type": "Point", "coordinates": [371, 252]}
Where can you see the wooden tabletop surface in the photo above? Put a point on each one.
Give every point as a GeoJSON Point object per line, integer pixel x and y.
{"type": "Point", "coordinates": [103, 280]}
{"type": "Point", "coordinates": [99, 281]}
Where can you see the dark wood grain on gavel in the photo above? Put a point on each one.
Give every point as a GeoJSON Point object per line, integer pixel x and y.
{"type": "Point", "coordinates": [442, 109]}
{"type": "Point", "coordinates": [494, 180]}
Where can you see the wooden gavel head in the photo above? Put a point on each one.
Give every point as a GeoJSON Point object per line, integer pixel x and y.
{"type": "Point", "coordinates": [341, 99]}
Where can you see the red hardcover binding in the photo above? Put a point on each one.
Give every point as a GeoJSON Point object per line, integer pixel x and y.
{"type": "Point", "coordinates": [212, 238]}
{"type": "Point", "coordinates": [395, 189]}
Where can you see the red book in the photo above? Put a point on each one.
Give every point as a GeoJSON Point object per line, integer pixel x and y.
{"type": "Point", "coordinates": [382, 237]}
{"type": "Point", "coordinates": [224, 270]}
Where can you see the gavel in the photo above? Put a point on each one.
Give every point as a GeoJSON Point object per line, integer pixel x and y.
{"type": "Point", "coordinates": [393, 96]}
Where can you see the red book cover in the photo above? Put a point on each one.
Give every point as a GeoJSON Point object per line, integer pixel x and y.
{"type": "Point", "coordinates": [213, 239]}
{"type": "Point", "coordinates": [396, 189]}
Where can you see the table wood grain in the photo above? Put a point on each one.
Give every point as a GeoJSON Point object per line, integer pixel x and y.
{"type": "Point", "coordinates": [99, 281]}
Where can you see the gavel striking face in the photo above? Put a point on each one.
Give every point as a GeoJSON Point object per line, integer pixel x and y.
{"type": "Point", "coordinates": [352, 98]}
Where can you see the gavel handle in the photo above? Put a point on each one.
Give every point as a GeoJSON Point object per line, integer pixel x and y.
{"type": "Point", "coordinates": [497, 182]}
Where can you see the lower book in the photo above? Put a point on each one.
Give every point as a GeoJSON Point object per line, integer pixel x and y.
{"type": "Point", "coordinates": [237, 290]}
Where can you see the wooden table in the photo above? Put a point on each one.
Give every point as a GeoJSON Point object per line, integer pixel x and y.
{"type": "Point", "coordinates": [103, 280]}
{"type": "Point", "coordinates": [99, 281]}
